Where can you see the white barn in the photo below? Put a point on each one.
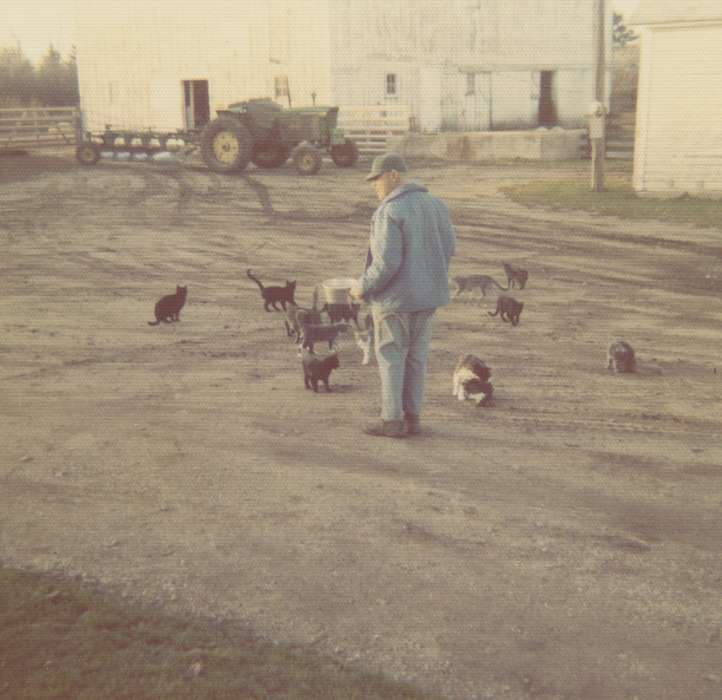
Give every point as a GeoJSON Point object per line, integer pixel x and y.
{"type": "Point", "coordinates": [456, 64]}
{"type": "Point", "coordinates": [678, 140]}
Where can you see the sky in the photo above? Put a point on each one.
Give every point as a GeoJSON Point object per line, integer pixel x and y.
{"type": "Point", "coordinates": [36, 24]}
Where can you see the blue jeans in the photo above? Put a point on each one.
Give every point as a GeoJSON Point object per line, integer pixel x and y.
{"type": "Point", "coordinates": [402, 346]}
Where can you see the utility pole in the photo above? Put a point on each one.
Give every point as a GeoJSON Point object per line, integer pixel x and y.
{"type": "Point", "coordinates": [597, 134]}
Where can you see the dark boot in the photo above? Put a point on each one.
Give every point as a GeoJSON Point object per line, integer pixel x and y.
{"type": "Point", "coordinates": [413, 424]}
{"type": "Point", "coordinates": [386, 428]}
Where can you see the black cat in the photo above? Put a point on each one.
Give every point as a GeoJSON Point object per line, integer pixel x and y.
{"type": "Point", "coordinates": [275, 295]}
{"type": "Point", "coordinates": [317, 370]}
{"type": "Point", "coordinates": [313, 334]}
{"type": "Point", "coordinates": [169, 307]}
{"type": "Point", "coordinates": [508, 308]}
{"type": "Point", "coordinates": [342, 312]}
{"type": "Point", "coordinates": [515, 276]}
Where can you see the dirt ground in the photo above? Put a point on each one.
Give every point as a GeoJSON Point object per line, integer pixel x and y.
{"type": "Point", "coordinates": [564, 543]}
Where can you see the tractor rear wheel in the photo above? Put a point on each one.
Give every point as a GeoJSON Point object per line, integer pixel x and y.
{"type": "Point", "coordinates": [87, 153]}
{"type": "Point", "coordinates": [269, 154]}
{"type": "Point", "coordinates": [344, 155]}
{"type": "Point", "coordinates": [225, 145]}
{"type": "Point", "coordinates": [307, 160]}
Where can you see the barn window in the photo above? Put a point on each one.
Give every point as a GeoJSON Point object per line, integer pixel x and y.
{"type": "Point", "coordinates": [391, 85]}
{"type": "Point", "coordinates": [281, 85]}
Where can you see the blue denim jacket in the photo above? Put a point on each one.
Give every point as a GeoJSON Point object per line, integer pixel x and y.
{"type": "Point", "coordinates": [412, 241]}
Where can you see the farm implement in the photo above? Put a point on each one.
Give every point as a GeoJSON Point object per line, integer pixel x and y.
{"type": "Point", "coordinates": [257, 131]}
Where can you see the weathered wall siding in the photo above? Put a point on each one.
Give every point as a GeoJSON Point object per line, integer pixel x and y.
{"type": "Point", "coordinates": [679, 130]}
{"type": "Point", "coordinates": [132, 57]}
{"type": "Point", "coordinates": [299, 39]}
{"type": "Point", "coordinates": [497, 37]}
{"type": "Point", "coordinates": [515, 99]}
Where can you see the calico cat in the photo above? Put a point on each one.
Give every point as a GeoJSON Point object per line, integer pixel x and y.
{"type": "Point", "coordinates": [515, 275]}
{"type": "Point", "coordinates": [169, 307]}
{"type": "Point", "coordinates": [620, 357]}
{"type": "Point", "coordinates": [483, 282]}
{"type": "Point", "coordinates": [365, 338]}
{"type": "Point", "coordinates": [313, 333]}
{"type": "Point", "coordinates": [342, 312]}
{"type": "Point", "coordinates": [471, 380]}
{"type": "Point", "coordinates": [508, 308]}
{"type": "Point", "coordinates": [315, 370]}
{"type": "Point", "coordinates": [275, 295]}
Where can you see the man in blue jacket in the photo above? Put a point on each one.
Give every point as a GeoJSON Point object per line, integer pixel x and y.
{"type": "Point", "coordinates": [406, 280]}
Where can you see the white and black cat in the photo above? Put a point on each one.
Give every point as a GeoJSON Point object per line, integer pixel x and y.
{"type": "Point", "coordinates": [484, 283]}
{"type": "Point", "coordinates": [471, 380]}
{"type": "Point", "coordinates": [620, 357]}
{"type": "Point", "coordinates": [365, 338]}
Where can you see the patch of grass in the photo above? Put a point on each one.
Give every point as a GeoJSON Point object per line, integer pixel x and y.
{"type": "Point", "coordinates": [60, 640]}
{"type": "Point", "coordinates": [618, 199]}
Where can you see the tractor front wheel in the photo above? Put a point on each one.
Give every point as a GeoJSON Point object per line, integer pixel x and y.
{"type": "Point", "coordinates": [225, 145]}
{"type": "Point", "coordinates": [307, 160]}
{"type": "Point", "coordinates": [269, 154]}
{"type": "Point", "coordinates": [345, 155]}
{"type": "Point", "coordinates": [87, 153]}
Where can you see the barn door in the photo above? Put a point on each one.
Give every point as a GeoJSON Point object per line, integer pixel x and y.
{"type": "Point", "coordinates": [547, 108]}
{"type": "Point", "coordinates": [196, 105]}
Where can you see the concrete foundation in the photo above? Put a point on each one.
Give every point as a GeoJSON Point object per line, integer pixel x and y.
{"type": "Point", "coordinates": [539, 144]}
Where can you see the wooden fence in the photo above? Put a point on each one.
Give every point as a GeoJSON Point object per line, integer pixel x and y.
{"type": "Point", "coordinates": [27, 127]}
{"type": "Point", "coordinates": [371, 127]}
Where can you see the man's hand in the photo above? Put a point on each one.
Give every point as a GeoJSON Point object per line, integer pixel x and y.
{"type": "Point", "coordinates": [356, 293]}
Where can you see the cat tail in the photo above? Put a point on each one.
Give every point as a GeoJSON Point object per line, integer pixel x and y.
{"type": "Point", "coordinates": [255, 279]}
{"type": "Point", "coordinates": [314, 306]}
{"type": "Point", "coordinates": [153, 323]}
{"type": "Point", "coordinates": [493, 314]}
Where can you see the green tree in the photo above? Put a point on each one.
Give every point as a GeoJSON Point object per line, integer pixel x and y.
{"type": "Point", "coordinates": [621, 36]}
{"type": "Point", "coordinates": [17, 78]}
{"type": "Point", "coordinates": [57, 80]}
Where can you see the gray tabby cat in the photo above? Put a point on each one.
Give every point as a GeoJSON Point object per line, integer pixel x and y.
{"type": "Point", "coordinates": [471, 282]}
{"type": "Point", "coordinates": [297, 317]}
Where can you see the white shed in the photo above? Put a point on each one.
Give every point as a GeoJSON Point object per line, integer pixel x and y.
{"type": "Point", "coordinates": [678, 140]}
{"type": "Point", "coordinates": [456, 64]}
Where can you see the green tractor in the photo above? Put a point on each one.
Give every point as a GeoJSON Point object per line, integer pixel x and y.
{"type": "Point", "coordinates": [264, 133]}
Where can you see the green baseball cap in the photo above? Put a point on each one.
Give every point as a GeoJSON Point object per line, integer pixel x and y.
{"type": "Point", "coordinates": [385, 163]}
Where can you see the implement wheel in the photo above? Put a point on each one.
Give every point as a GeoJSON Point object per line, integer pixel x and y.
{"type": "Point", "coordinates": [307, 160]}
{"type": "Point", "coordinates": [269, 154]}
{"type": "Point", "coordinates": [345, 154]}
{"type": "Point", "coordinates": [87, 153]}
{"type": "Point", "coordinates": [225, 145]}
